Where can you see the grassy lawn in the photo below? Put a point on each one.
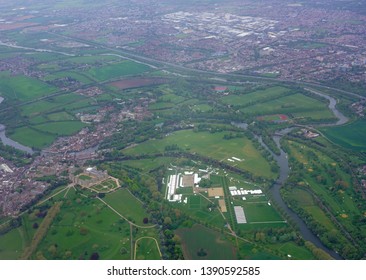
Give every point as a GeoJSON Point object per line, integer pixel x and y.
{"type": "Point", "coordinates": [260, 212]}
{"type": "Point", "coordinates": [127, 205]}
{"type": "Point", "coordinates": [11, 245]}
{"type": "Point", "coordinates": [211, 145]}
{"type": "Point", "coordinates": [146, 249]}
{"type": "Point", "coordinates": [211, 244]}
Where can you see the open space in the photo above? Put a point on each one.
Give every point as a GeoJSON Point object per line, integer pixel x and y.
{"type": "Point", "coordinates": [211, 145]}
{"type": "Point", "coordinates": [112, 71]}
{"type": "Point", "coordinates": [127, 205]}
{"type": "Point", "coordinates": [351, 136]}
{"type": "Point", "coordinates": [201, 243]}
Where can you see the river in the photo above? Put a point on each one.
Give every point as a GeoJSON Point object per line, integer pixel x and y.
{"type": "Point", "coordinates": [283, 163]}
{"type": "Point", "coordinates": [342, 119]}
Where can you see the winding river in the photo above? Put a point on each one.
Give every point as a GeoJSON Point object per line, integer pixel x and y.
{"type": "Point", "coordinates": [283, 163]}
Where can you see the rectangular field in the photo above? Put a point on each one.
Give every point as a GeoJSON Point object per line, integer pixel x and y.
{"type": "Point", "coordinates": [113, 71]}
{"type": "Point", "coordinates": [256, 96]}
{"type": "Point", "coordinates": [23, 88]}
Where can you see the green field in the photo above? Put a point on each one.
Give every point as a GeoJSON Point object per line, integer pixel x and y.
{"type": "Point", "coordinates": [60, 116]}
{"type": "Point", "coordinates": [259, 212]}
{"type": "Point", "coordinates": [295, 251]}
{"type": "Point", "coordinates": [256, 96]}
{"type": "Point", "coordinates": [211, 145]}
{"type": "Point", "coordinates": [69, 74]}
{"type": "Point", "coordinates": [32, 138]}
{"type": "Point", "coordinates": [117, 70]}
{"type": "Point", "coordinates": [350, 136]}
{"type": "Point", "coordinates": [61, 127]}
{"type": "Point", "coordinates": [23, 88]}
{"type": "Point", "coordinates": [55, 104]}
{"type": "Point", "coordinates": [11, 245]}
{"type": "Point", "coordinates": [212, 244]}
{"type": "Point", "coordinates": [127, 205]}
{"type": "Point", "coordinates": [297, 104]}
{"type": "Point", "coordinates": [146, 249]}
{"type": "Point", "coordinates": [41, 135]}
{"type": "Point", "coordinates": [84, 227]}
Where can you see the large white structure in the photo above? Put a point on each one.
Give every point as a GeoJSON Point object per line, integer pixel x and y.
{"type": "Point", "coordinates": [240, 215]}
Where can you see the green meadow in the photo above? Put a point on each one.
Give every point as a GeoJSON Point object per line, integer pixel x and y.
{"type": "Point", "coordinates": [211, 145]}
{"type": "Point", "coordinates": [351, 136]}
{"type": "Point", "coordinates": [201, 243]}
{"type": "Point", "coordinates": [23, 88]}
{"type": "Point", "coordinates": [116, 70]}
{"type": "Point", "coordinates": [127, 205]}
{"type": "Point", "coordinates": [146, 249]}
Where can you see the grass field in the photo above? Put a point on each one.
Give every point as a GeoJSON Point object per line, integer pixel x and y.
{"type": "Point", "coordinates": [32, 138]}
{"type": "Point", "coordinates": [261, 213]}
{"type": "Point", "coordinates": [256, 96]}
{"type": "Point", "coordinates": [212, 244]}
{"type": "Point", "coordinates": [11, 245]}
{"type": "Point", "coordinates": [127, 205]}
{"type": "Point", "coordinates": [61, 127]}
{"type": "Point", "coordinates": [297, 104]}
{"type": "Point", "coordinates": [306, 201]}
{"type": "Point", "coordinates": [351, 136]}
{"type": "Point", "coordinates": [60, 116]}
{"type": "Point", "coordinates": [146, 249]}
{"type": "Point", "coordinates": [314, 161]}
{"type": "Point", "coordinates": [113, 71]}
{"type": "Point", "coordinates": [78, 76]}
{"type": "Point", "coordinates": [295, 251]}
{"type": "Point", "coordinates": [211, 145]}
{"type": "Point", "coordinates": [23, 88]}
{"type": "Point", "coordinates": [41, 135]}
{"type": "Point", "coordinates": [84, 227]}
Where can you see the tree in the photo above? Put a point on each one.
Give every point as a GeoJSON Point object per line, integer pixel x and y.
{"type": "Point", "coordinates": [145, 220]}
{"type": "Point", "coordinates": [94, 256]}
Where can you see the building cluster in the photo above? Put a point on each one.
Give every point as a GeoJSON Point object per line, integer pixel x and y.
{"type": "Point", "coordinates": [294, 42]}
{"type": "Point", "coordinates": [359, 107]}
{"type": "Point", "coordinates": [235, 191]}
{"type": "Point", "coordinates": [180, 180]}
{"type": "Point", "coordinates": [17, 188]}
{"type": "Point", "coordinates": [91, 176]}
